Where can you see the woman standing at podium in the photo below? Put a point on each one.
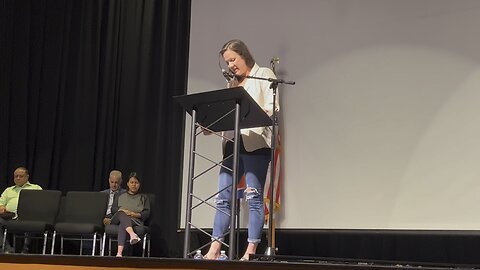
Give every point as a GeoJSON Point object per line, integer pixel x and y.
{"type": "Point", "coordinates": [255, 149]}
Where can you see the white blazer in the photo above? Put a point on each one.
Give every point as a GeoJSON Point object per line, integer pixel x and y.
{"type": "Point", "coordinates": [260, 137]}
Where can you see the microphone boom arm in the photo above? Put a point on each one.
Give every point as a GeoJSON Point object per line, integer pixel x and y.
{"type": "Point", "coordinates": [272, 80]}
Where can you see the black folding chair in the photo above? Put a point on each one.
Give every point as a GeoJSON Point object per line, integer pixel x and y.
{"type": "Point", "coordinates": [37, 210]}
{"type": "Point", "coordinates": [82, 219]}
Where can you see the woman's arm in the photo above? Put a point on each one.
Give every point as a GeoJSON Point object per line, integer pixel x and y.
{"type": "Point", "coordinates": [146, 208]}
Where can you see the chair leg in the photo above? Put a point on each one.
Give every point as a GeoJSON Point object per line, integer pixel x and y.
{"type": "Point", "coordinates": [45, 236]}
{"type": "Point", "coordinates": [4, 239]}
{"type": "Point", "coordinates": [53, 242]}
{"type": "Point", "coordinates": [81, 245]}
{"type": "Point", "coordinates": [61, 245]}
{"type": "Point", "coordinates": [94, 243]}
{"type": "Point", "coordinates": [144, 244]}
{"type": "Point", "coordinates": [148, 246]}
{"type": "Point", "coordinates": [110, 246]}
{"type": "Point", "coordinates": [103, 244]}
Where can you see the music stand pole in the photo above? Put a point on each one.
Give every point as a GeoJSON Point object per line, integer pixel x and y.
{"type": "Point", "coordinates": [235, 173]}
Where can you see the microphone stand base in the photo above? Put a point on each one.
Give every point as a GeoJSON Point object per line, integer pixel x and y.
{"type": "Point", "coordinates": [270, 251]}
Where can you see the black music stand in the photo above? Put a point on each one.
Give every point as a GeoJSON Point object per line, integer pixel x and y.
{"type": "Point", "coordinates": [219, 110]}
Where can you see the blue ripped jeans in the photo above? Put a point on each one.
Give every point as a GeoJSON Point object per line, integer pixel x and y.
{"type": "Point", "coordinates": [255, 167]}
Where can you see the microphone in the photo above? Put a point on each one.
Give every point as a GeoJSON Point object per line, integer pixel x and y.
{"type": "Point", "coordinates": [275, 60]}
{"type": "Point", "coordinates": [228, 76]}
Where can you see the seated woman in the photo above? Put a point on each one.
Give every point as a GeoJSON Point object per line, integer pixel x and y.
{"type": "Point", "coordinates": [131, 208]}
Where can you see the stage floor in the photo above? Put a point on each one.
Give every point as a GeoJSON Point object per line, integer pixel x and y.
{"type": "Point", "coordinates": [59, 262]}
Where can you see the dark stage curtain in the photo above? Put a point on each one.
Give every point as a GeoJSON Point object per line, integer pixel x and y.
{"type": "Point", "coordinates": [86, 87]}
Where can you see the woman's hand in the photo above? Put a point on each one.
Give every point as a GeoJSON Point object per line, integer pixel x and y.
{"type": "Point", "coordinates": [233, 83]}
{"type": "Point", "coordinates": [126, 211]}
{"type": "Point", "coordinates": [131, 213]}
{"type": "Point", "coordinates": [206, 131]}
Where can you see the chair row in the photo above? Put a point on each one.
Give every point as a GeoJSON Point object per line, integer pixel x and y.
{"type": "Point", "coordinates": [77, 216]}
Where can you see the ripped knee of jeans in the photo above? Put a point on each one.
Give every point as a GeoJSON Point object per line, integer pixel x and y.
{"type": "Point", "coordinates": [220, 202]}
{"type": "Point", "coordinates": [251, 193]}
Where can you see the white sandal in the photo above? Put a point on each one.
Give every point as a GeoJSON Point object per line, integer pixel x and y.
{"type": "Point", "coordinates": [134, 240]}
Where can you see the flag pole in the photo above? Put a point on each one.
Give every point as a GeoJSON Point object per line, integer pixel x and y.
{"type": "Point", "coordinates": [271, 249]}
{"type": "Point", "coordinates": [274, 84]}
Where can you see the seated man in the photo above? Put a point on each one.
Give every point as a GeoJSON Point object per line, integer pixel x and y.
{"type": "Point", "coordinates": [115, 189]}
{"type": "Point", "coordinates": [9, 203]}
{"type": "Point", "coordinates": [115, 183]}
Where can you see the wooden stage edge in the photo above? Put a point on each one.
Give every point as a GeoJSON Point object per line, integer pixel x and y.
{"type": "Point", "coordinates": [71, 262]}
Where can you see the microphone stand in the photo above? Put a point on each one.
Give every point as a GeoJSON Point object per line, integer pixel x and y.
{"type": "Point", "coordinates": [271, 250]}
